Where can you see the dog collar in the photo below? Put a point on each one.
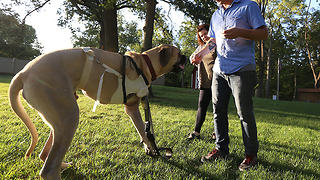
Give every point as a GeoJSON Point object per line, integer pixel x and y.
{"type": "Point", "coordinates": [153, 73]}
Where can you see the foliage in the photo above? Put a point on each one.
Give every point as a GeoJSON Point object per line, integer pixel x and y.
{"type": "Point", "coordinates": [312, 45]}
{"type": "Point", "coordinates": [103, 13]}
{"type": "Point", "coordinates": [107, 146]}
{"type": "Point", "coordinates": [162, 33]}
{"type": "Point", "coordinates": [87, 37]}
{"type": "Point", "coordinates": [187, 43]}
{"type": "Point", "coordinates": [285, 21]}
{"type": "Point", "coordinates": [16, 40]}
{"type": "Point", "coordinates": [130, 37]}
{"type": "Point", "coordinates": [199, 11]}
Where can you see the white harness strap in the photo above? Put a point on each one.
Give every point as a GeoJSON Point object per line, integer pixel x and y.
{"type": "Point", "coordinates": [110, 70]}
{"type": "Point", "coordinates": [137, 86]}
{"type": "Point", "coordinates": [87, 67]}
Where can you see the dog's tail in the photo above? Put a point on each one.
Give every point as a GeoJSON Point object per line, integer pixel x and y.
{"type": "Point", "coordinates": [15, 87]}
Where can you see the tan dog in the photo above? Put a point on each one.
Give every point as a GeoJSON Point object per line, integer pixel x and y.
{"type": "Point", "coordinates": [49, 82]}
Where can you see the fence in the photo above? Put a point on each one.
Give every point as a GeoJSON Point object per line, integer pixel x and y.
{"type": "Point", "coordinates": [11, 66]}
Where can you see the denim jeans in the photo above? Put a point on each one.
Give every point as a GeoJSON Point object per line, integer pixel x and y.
{"type": "Point", "coordinates": [241, 86]}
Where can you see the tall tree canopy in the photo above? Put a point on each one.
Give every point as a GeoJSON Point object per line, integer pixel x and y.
{"type": "Point", "coordinates": [102, 12]}
{"type": "Point", "coordinates": [16, 41]}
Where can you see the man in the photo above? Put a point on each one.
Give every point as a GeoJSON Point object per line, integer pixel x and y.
{"type": "Point", "coordinates": [233, 29]}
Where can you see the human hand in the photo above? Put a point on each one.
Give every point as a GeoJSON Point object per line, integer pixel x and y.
{"type": "Point", "coordinates": [196, 59]}
{"type": "Point", "coordinates": [231, 33]}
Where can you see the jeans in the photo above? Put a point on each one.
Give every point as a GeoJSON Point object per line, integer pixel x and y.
{"type": "Point", "coordinates": [204, 100]}
{"type": "Point", "coordinates": [241, 85]}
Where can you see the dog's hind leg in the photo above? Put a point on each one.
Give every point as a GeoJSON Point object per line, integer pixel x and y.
{"type": "Point", "coordinates": [60, 111]}
{"type": "Point", "coordinates": [64, 128]}
{"type": "Point", "coordinates": [46, 149]}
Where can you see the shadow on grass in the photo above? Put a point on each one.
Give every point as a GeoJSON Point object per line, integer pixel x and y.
{"type": "Point", "coordinates": [191, 168]}
{"type": "Point", "coordinates": [5, 78]}
{"type": "Point", "coordinates": [279, 167]}
{"type": "Point", "coordinates": [310, 121]}
{"type": "Point", "coordinates": [301, 153]}
{"type": "Point", "coordinates": [72, 173]}
{"type": "Point", "coordinates": [298, 114]}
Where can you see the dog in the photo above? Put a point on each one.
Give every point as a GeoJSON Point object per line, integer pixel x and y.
{"type": "Point", "coordinates": [49, 82]}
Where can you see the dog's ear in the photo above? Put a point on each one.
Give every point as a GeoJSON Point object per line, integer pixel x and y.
{"type": "Point", "coordinates": [165, 54]}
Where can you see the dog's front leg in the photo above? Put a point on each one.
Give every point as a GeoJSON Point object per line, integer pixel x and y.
{"type": "Point", "coordinates": [133, 111]}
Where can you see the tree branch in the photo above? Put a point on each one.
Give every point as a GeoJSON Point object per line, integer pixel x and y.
{"type": "Point", "coordinates": [24, 19]}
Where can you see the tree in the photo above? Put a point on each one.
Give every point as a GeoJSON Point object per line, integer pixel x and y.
{"type": "Point", "coordinates": [15, 41]}
{"type": "Point", "coordinates": [130, 37]}
{"type": "Point", "coordinates": [199, 11]}
{"type": "Point", "coordinates": [280, 17]}
{"type": "Point", "coordinates": [149, 23]}
{"type": "Point", "coordinates": [261, 58]}
{"type": "Point", "coordinates": [103, 12]}
{"type": "Point", "coordinates": [312, 45]}
{"type": "Point", "coordinates": [187, 43]}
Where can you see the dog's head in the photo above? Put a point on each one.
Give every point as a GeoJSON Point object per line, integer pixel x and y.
{"type": "Point", "coordinates": [170, 57]}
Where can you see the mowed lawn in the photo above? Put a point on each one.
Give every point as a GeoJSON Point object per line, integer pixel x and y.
{"type": "Point", "coordinates": [107, 146]}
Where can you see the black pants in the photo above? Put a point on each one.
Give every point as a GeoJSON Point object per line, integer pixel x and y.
{"type": "Point", "coordinates": [205, 96]}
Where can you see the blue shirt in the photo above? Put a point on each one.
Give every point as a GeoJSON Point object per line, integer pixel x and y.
{"type": "Point", "coordinates": [235, 54]}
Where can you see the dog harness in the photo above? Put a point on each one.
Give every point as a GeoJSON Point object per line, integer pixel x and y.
{"type": "Point", "coordinates": [126, 86]}
{"type": "Point", "coordinates": [87, 67]}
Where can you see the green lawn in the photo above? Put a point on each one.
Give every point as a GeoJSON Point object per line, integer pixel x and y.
{"type": "Point", "coordinates": [106, 144]}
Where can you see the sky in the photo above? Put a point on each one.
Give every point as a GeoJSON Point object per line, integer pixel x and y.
{"type": "Point", "coordinates": [53, 37]}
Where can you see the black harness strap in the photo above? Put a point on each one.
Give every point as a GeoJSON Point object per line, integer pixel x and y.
{"type": "Point", "coordinates": [123, 70]}
{"type": "Point", "coordinates": [148, 125]}
{"type": "Point", "coordinates": [139, 71]}
{"type": "Point", "coordinates": [145, 103]}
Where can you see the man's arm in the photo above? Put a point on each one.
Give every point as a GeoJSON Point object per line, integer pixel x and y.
{"type": "Point", "coordinates": [258, 34]}
{"type": "Point", "coordinates": [209, 47]}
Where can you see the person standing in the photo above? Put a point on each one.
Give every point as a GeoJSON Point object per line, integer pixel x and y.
{"type": "Point", "coordinates": [234, 27]}
{"type": "Point", "coordinates": [204, 79]}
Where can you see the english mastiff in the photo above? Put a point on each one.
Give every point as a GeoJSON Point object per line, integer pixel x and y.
{"type": "Point", "coordinates": [49, 83]}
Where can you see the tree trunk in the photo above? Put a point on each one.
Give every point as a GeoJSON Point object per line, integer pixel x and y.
{"type": "Point", "coordinates": [148, 31]}
{"type": "Point", "coordinates": [295, 81]}
{"type": "Point", "coordinates": [102, 36]}
{"type": "Point", "coordinates": [110, 30]}
{"type": "Point", "coordinates": [262, 4]}
{"type": "Point", "coordinates": [269, 67]}
{"type": "Point", "coordinates": [261, 69]}
{"type": "Point", "coordinates": [148, 27]}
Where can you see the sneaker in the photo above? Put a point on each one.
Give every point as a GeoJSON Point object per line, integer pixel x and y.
{"type": "Point", "coordinates": [213, 155]}
{"type": "Point", "coordinates": [192, 136]}
{"type": "Point", "coordinates": [214, 136]}
{"type": "Point", "coordinates": [248, 162]}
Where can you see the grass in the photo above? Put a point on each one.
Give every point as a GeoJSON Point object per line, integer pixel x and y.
{"type": "Point", "coordinates": [106, 144]}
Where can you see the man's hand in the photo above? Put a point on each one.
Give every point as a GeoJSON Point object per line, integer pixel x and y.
{"type": "Point", "coordinates": [258, 34]}
{"type": "Point", "coordinates": [232, 33]}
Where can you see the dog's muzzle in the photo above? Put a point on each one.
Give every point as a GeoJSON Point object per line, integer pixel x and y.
{"type": "Point", "coordinates": [180, 65]}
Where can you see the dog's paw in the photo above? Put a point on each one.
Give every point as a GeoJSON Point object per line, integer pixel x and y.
{"type": "Point", "coordinates": [150, 152]}
{"type": "Point", "coordinates": [65, 165]}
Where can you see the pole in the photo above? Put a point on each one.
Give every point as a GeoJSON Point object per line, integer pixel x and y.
{"type": "Point", "coordinates": [278, 78]}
